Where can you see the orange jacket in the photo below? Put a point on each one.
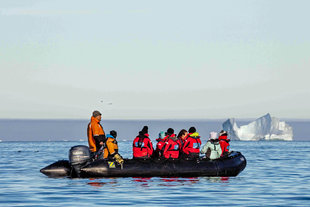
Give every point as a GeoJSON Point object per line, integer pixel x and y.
{"type": "Point", "coordinates": [111, 147]}
{"type": "Point", "coordinates": [94, 129]}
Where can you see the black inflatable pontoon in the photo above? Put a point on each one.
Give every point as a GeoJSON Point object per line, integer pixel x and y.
{"type": "Point", "coordinates": [79, 166]}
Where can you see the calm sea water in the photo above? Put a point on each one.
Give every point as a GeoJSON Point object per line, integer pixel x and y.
{"type": "Point", "coordinates": [277, 174]}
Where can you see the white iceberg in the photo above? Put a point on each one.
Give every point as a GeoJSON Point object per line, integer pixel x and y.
{"type": "Point", "coordinates": [263, 128]}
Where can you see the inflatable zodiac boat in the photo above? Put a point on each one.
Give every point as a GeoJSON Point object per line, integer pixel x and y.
{"type": "Point", "coordinates": [81, 166]}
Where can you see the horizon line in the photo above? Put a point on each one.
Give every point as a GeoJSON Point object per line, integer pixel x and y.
{"type": "Point", "coordinates": [145, 119]}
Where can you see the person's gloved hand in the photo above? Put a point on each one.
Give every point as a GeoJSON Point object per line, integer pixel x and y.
{"type": "Point", "coordinates": [118, 159]}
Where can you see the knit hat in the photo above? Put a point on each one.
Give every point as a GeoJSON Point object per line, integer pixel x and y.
{"type": "Point", "coordinates": [113, 133]}
{"type": "Point", "coordinates": [192, 130]}
{"type": "Point", "coordinates": [161, 135]}
{"type": "Point", "coordinates": [145, 130]}
{"type": "Point", "coordinates": [213, 135]}
{"type": "Point", "coordinates": [170, 131]}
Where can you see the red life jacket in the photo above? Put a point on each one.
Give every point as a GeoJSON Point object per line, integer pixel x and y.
{"type": "Point", "coordinates": [182, 142]}
{"type": "Point", "coordinates": [142, 147]}
{"type": "Point", "coordinates": [171, 148]}
{"type": "Point", "coordinates": [160, 144]}
{"type": "Point", "coordinates": [192, 145]}
{"type": "Point", "coordinates": [224, 143]}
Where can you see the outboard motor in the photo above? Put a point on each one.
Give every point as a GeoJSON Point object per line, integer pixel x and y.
{"type": "Point", "coordinates": [79, 156]}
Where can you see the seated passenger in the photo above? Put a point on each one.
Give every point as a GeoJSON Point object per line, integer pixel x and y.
{"type": "Point", "coordinates": [224, 142]}
{"type": "Point", "coordinates": [212, 148]}
{"type": "Point", "coordinates": [182, 136]}
{"type": "Point", "coordinates": [159, 146]}
{"type": "Point", "coordinates": [142, 145]}
{"type": "Point", "coordinates": [171, 149]}
{"type": "Point", "coordinates": [111, 149]}
{"type": "Point", "coordinates": [191, 147]}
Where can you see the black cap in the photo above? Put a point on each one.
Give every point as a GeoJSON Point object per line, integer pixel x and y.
{"type": "Point", "coordinates": [113, 133]}
{"type": "Point", "coordinates": [170, 131]}
{"type": "Point", "coordinates": [145, 130]}
{"type": "Point", "coordinates": [223, 132]}
{"type": "Point", "coordinates": [192, 130]}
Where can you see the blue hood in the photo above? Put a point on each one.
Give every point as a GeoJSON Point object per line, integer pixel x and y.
{"type": "Point", "coordinates": [110, 136]}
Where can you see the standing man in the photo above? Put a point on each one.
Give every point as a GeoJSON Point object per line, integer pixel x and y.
{"type": "Point", "coordinates": [95, 133]}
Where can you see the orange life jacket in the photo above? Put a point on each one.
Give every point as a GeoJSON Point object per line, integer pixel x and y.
{"type": "Point", "coordinates": [111, 147]}
{"type": "Point", "coordinates": [94, 128]}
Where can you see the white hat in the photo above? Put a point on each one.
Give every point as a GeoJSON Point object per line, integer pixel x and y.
{"type": "Point", "coordinates": [213, 135]}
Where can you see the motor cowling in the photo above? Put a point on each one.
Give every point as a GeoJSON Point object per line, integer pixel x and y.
{"type": "Point", "coordinates": [79, 156]}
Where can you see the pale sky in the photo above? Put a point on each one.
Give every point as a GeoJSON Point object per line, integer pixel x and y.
{"type": "Point", "coordinates": [154, 59]}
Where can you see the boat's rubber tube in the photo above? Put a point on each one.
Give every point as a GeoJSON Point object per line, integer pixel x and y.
{"type": "Point", "coordinates": [61, 168]}
{"type": "Point", "coordinates": [230, 166]}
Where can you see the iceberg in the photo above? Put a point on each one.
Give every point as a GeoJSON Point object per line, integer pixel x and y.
{"type": "Point", "coordinates": [263, 128]}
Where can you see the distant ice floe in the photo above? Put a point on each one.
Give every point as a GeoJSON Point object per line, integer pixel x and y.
{"type": "Point", "coordinates": [263, 128]}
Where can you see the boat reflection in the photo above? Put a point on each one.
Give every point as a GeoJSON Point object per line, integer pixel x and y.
{"type": "Point", "coordinates": [165, 181]}
{"type": "Point", "coordinates": [159, 181]}
{"type": "Point", "coordinates": [94, 182]}
{"type": "Point", "coordinates": [143, 181]}
{"type": "Point", "coordinates": [177, 181]}
{"type": "Point", "coordinates": [218, 179]}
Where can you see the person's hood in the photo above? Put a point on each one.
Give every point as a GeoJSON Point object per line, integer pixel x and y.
{"type": "Point", "coordinates": [160, 139]}
{"type": "Point", "coordinates": [214, 141]}
{"type": "Point", "coordinates": [143, 135]}
{"type": "Point", "coordinates": [223, 137]}
{"type": "Point", "coordinates": [110, 136]}
{"type": "Point", "coordinates": [174, 138]}
{"type": "Point", "coordinates": [195, 134]}
{"type": "Point", "coordinates": [170, 136]}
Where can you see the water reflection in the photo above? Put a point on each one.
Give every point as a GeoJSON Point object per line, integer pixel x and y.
{"type": "Point", "coordinates": [176, 181]}
{"type": "Point", "coordinates": [218, 179]}
{"type": "Point", "coordinates": [159, 181]}
{"type": "Point", "coordinates": [94, 182]}
{"type": "Point", "coordinates": [143, 181]}
{"type": "Point", "coordinates": [165, 181]}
